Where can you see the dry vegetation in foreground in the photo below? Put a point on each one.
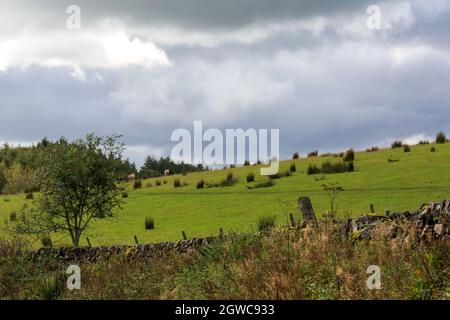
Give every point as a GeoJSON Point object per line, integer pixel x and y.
{"type": "Point", "coordinates": [276, 264]}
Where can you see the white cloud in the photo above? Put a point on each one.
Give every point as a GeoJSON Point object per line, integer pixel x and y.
{"type": "Point", "coordinates": [79, 49]}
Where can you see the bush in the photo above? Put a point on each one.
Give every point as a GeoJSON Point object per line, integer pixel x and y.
{"type": "Point", "coordinates": [164, 181]}
{"type": "Point", "coordinates": [338, 167]}
{"type": "Point", "coordinates": [313, 153]}
{"type": "Point", "coordinates": [46, 241]}
{"type": "Point", "coordinates": [296, 156]}
{"type": "Point", "coordinates": [13, 216]}
{"type": "Point", "coordinates": [329, 167]}
{"type": "Point", "coordinates": [349, 155]}
{"type": "Point", "coordinates": [293, 168]}
{"type": "Point", "coordinates": [124, 195]}
{"type": "Point", "coordinates": [158, 182]}
{"type": "Point", "coordinates": [200, 184]}
{"type": "Point", "coordinates": [176, 183]}
{"type": "Point", "coordinates": [433, 149]}
{"type": "Point", "coordinates": [137, 184]}
{"type": "Point", "coordinates": [422, 142]}
{"type": "Point", "coordinates": [441, 137]}
{"type": "Point", "coordinates": [312, 169]}
{"type": "Point", "coordinates": [406, 148]}
{"type": "Point", "coordinates": [149, 223]}
{"type": "Point", "coordinates": [372, 149]}
{"type": "Point", "coordinates": [265, 184]}
{"type": "Point", "coordinates": [396, 144]}
{"type": "Point", "coordinates": [250, 177]}
{"type": "Point", "coordinates": [229, 181]}
{"type": "Point", "coordinates": [266, 223]}
{"type": "Point", "coordinates": [29, 196]}
{"type": "Point", "coordinates": [246, 163]}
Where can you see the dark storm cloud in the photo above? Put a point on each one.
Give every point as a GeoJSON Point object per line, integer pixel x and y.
{"type": "Point", "coordinates": [196, 14]}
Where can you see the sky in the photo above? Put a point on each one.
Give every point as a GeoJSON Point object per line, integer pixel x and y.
{"type": "Point", "coordinates": [312, 69]}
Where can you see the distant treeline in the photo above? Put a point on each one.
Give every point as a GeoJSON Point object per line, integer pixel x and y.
{"type": "Point", "coordinates": [155, 167]}
{"type": "Point", "coordinates": [19, 166]}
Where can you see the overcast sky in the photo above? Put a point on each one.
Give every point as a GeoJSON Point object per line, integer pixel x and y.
{"type": "Point", "coordinates": [313, 69]}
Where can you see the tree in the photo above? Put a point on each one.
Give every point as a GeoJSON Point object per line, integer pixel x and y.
{"type": "Point", "coordinates": [441, 137]}
{"type": "Point", "coordinates": [80, 182]}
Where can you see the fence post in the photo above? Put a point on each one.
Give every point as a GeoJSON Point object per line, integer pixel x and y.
{"type": "Point", "coordinates": [291, 216]}
{"type": "Point", "coordinates": [136, 240]}
{"type": "Point", "coordinates": [184, 235]}
{"type": "Point", "coordinates": [372, 209]}
{"type": "Point", "coordinates": [89, 242]}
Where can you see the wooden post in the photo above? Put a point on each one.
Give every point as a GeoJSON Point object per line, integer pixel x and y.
{"type": "Point", "coordinates": [184, 235]}
{"type": "Point", "coordinates": [308, 215]}
{"type": "Point", "coordinates": [291, 217]}
{"type": "Point", "coordinates": [387, 213]}
{"type": "Point", "coordinates": [372, 209]}
{"type": "Point", "coordinates": [221, 233]}
{"type": "Point", "coordinates": [89, 242]}
{"type": "Point", "coordinates": [136, 240]}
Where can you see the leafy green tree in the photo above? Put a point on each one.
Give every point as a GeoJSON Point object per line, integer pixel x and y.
{"type": "Point", "coordinates": [80, 182]}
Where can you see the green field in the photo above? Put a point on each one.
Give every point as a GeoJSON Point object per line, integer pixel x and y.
{"type": "Point", "coordinates": [417, 177]}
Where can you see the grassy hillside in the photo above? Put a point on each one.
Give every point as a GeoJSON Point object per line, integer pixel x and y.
{"type": "Point", "coordinates": [418, 176]}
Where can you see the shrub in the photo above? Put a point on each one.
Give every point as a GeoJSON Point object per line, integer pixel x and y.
{"type": "Point", "coordinates": [158, 182]}
{"type": "Point", "coordinates": [149, 223]}
{"type": "Point", "coordinates": [266, 223]}
{"type": "Point", "coordinates": [229, 181]}
{"type": "Point", "coordinates": [313, 153]}
{"type": "Point", "coordinates": [349, 155]}
{"type": "Point", "coordinates": [329, 167]}
{"type": "Point", "coordinates": [433, 149]}
{"type": "Point", "coordinates": [13, 216]}
{"type": "Point", "coordinates": [29, 196]}
{"type": "Point", "coordinates": [396, 144]}
{"type": "Point", "coordinates": [148, 185]}
{"type": "Point", "coordinates": [250, 177]}
{"type": "Point", "coordinates": [137, 184]}
{"type": "Point", "coordinates": [421, 142]}
{"type": "Point", "coordinates": [293, 168]}
{"type": "Point", "coordinates": [200, 184]}
{"type": "Point", "coordinates": [176, 183]}
{"type": "Point", "coordinates": [232, 166]}
{"type": "Point", "coordinates": [164, 181]}
{"type": "Point", "coordinates": [312, 169]}
{"type": "Point", "coordinates": [184, 174]}
{"type": "Point", "coordinates": [372, 149]}
{"type": "Point", "coordinates": [338, 167]}
{"type": "Point", "coordinates": [406, 148]}
{"type": "Point", "coordinates": [46, 241]}
{"type": "Point", "coordinates": [124, 195]}
{"type": "Point", "coordinates": [246, 163]}
{"type": "Point", "coordinates": [265, 184]}
{"type": "Point", "coordinates": [441, 137]}
{"type": "Point", "coordinates": [296, 156]}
